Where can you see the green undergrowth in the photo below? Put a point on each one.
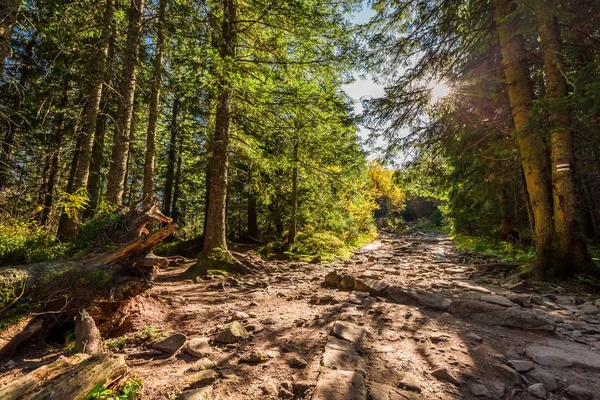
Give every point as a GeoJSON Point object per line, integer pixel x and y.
{"type": "Point", "coordinates": [27, 242]}
{"type": "Point", "coordinates": [129, 391]}
{"type": "Point", "coordinates": [504, 251]}
{"type": "Point", "coordinates": [324, 245]}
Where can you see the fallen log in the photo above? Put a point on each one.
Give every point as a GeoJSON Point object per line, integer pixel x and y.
{"type": "Point", "coordinates": [93, 372]}
{"type": "Point", "coordinates": [26, 384]}
{"type": "Point", "coordinates": [61, 289]}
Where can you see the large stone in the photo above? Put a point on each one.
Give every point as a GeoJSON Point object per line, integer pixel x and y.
{"type": "Point", "coordinates": [348, 282]}
{"type": "Point", "coordinates": [406, 296]}
{"type": "Point", "coordinates": [544, 377]}
{"type": "Point", "coordinates": [171, 344]}
{"type": "Point", "coordinates": [495, 299]}
{"type": "Point", "coordinates": [575, 392]}
{"type": "Point", "coordinates": [374, 287]}
{"type": "Point", "coordinates": [508, 374]}
{"type": "Point", "coordinates": [197, 394]}
{"type": "Point", "coordinates": [333, 279]}
{"type": "Point", "coordinates": [340, 385]}
{"type": "Point", "coordinates": [492, 314]}
{"type": "Point", "coordinates": [521, 365]}
{"type": "Point", "coordinates": [199, 379]}
{"type": "Point", "coordinates": [232, 333]}
{"type": "Point", "coordinates": [480, 390]}
{"type": "Point", "coordinates": [537, 390]}
{"type": "Point", "coordinates": [564, 355]}
{"type": "Point", "coordinates": [443, 374]}
{"type": "Point", "coordinates": [348, 360]}
{"type": "Point", "coordinates": [347, 331]}
{"type": "Point", "coordinates": [473, 288]}
{"type": "Point", "coordinates": [198, 347]}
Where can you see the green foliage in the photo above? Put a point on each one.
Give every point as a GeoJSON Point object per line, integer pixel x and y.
{"type": "Point", "coordinates": [73, 203]}
{"type": "Point", "coordinates": [93, 229]}
{"type": "Point", "coordinates": [27, 242]}
{"type": "Point", "coordinates": [117, 343]}
{"type": "Point", "coordinates": [147, 333]}
{"type": "Point", "coordinates": [326, 245]}
{"type": "Point", "coordinates": [129, 391]}
{"type": "Point", "coordinates": [501, 250]}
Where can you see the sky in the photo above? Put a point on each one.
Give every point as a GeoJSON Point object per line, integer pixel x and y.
{"type": "Point", "coordinates": [363, 87]}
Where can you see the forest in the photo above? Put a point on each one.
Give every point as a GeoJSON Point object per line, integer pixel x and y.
{"type": "Point", "coordinates": [186, 183]}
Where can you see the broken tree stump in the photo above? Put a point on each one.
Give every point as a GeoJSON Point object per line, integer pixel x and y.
{"type": "Point", "coordinates": [98, 370]}
{"type": "Point", "coordinates": [38, 377]}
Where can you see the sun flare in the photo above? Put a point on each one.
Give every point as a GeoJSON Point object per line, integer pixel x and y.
{"type": "Point", "coordinates": [439, 90]}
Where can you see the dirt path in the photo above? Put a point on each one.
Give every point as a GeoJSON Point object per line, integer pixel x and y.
{"type": "Point", "coordinates": [309, 341]}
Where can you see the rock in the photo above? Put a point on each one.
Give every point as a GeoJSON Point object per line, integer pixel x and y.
{"type": "Point", "coordinates": [544, 377]}
{"type": "Point", "coordinates": [597, 303]}
{"type": "Point", "coordinates": [199, 379]}
{"type": "Point", "coordinates": [474, 337]}
{"type": "Point", "coordinates": [198, 347]}
{"type": "Point", "coordinates": [492, 314]}
{"type": "Point", "coordinates": [410, 382]}
{"type": "Point", "coordinates": [495, 299]}
{"type": "Point", "coordinates": [254, 357]}
{"type": "Point", "coordinates": [345, 360]}
{"type": "Point", "coordinates": [297, 362]}
{"type": "Point", "coordinates": [522, 285]}
{"type": "Point", "coordinates": [171, 344]}
{"type": "Point", "coordinates": [442, 374]}
{"type": "Point", "coordinates": [321, 298]}
{"type": "Point", "coordinates": [202, 364]}
{"type": "Point", "coordinates": [431, 300]}
{"type": "Point", "coordinates": [439, 337]}
{"type": "Point", "coordinates": [340, 385]}
{"type": "Point", "coordinates": [537, 299]}
{"type": "Point", "coordinates": [521, 300]}
{"type": "Point", "coordinates": [347, 282]}
{"type": "Point", "coordinates": [302, 387]}
{"type": "Point", "coordinates": [255, 328]}
{"type": "Point", "coordinates": [537, 390]}
{"type": "Point", "coordinates": [496, 388]}
{"type": "Point", "coordinates": [347, 331]}
{"type": "Point", "coordinates": [467, 286]}
{"type": "Point", "coordinates": [333, 279]}
{"type": "Point", "coordinates": [589, 309]}
{"type": "Point", "coordinates": [565, 301]}
{"type": "Point", "coordinates": [560, 290]}
{"type": "Point", "coordinates": [575, 392]}
{"type": "Point", "coordinates": [268, 388]}
{"type": "Point", "coordinates": [480, 390]}
{"type": "Point", "coordinates": [508, 374]}
{"type": "Point", "coordinates": [238, 316]}
{"type": "Point", "coordinates": [197, 394]}
{"type": "Point", "coordinates": [374, 287]}
{"type": "Point", "coordinates": [232, 333]}
{"type": "Point", "coordinates": [567, 355]}
{"type": "Point", "coordinates": [521, 365]}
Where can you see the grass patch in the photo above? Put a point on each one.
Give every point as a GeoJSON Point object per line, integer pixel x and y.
{"type": "Point", "coordinates": [504, 251]}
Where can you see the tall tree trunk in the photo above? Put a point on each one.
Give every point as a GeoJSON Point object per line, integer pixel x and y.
{"type": "Point", "coordinates": [54, 166]}
{"type": "Point", "coordinates": [9, 9]}
{"type": "Point", "coordinates": [120, 150]}
{"type": "Point", "coordinates": [570, 247]}
{"type": "Point", "coordinates": [67, 227]}
{"type": "Point", "coordinates": [16, 119]}
{"type": "Point", "coordinates": [154, 102]}
{"type": "Point", "coordinates": [171, 158]}
{"type": "Point", "coordinates": [534, 153]}
{"type": "Point", "coordinates": [97, 75]}
{"type": "Point", "coordinates": [253, 230]}
{"type": "Point", "coordinates": [294, 217]}
{"type": "Point", "coordinates": [215, 233]}
{"type": "Point", "coordinates": [506, 226]}
{"type": "Point", "coordinates": [175, 213]}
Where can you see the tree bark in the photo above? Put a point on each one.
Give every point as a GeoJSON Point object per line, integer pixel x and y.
{"type": "Point", "coordinates": [171, 158]}
{"type": "Point", "coordinates": [294, 216]}
{"type": "Point", "coordinates": [120, 150]}
{"type": "Point", "coordinates": [55, 157]}
{"type": "Point", "coordinates": [9, 9]}
{"type": "Point", "coordinates": [97, 75]}
{"type": "Point", "coordinates": [215, 234]}
{"type": "Point", "coordinates": [570, 247]}
{"type": "Point", "coordinates": [175, 212]}
{"type": "Point", "coordinates": [534, 153]}
{"type": "Point", "coordinates": [253, 230]}
{"type": "Point", "coordinates": [506, 226]}
{"type": "Point", "coordinates": [154, 102]}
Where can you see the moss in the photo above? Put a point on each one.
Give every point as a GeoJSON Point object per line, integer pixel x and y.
{"type": "Point", "coordinates": [98, 276]}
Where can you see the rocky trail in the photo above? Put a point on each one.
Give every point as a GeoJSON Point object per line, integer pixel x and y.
{"type": "Point", "coordinates": [407, 317]}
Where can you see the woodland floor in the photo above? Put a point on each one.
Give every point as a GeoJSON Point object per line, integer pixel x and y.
{"type": "Point", "coordinates": [391, 350]}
